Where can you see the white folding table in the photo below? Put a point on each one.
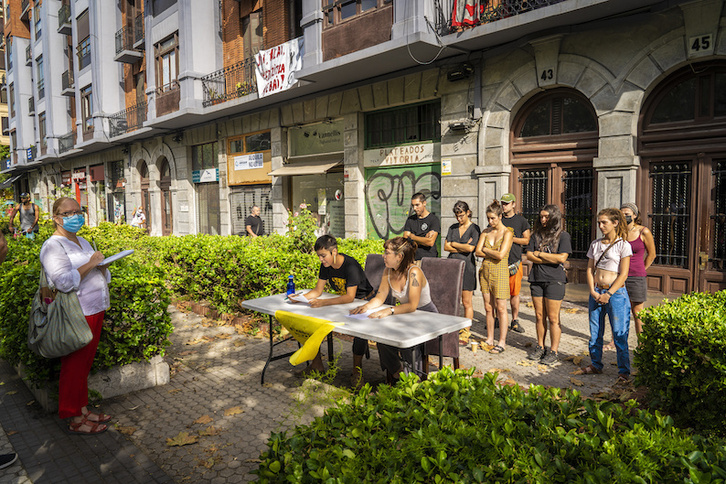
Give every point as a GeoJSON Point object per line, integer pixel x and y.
{"type": "Point", "coordinates": [399, 330]}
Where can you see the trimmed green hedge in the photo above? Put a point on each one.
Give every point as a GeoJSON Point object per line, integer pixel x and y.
{"type": "Point", "coordinates": [681, 358]}
{"type": "Point", "coordinates": [224, 271]}
{"type": "Point", "coordinates": [455, 428]}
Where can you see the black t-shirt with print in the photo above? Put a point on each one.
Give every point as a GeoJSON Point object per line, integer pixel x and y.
{"type": "Point", "coordinates": [519, 224]}
{"type": "Point", "coordinates": [549, 272]}
{"type": "Point", "coordinates": [349, 274]}
{"type": "Point", "coordinates": [420, 227]}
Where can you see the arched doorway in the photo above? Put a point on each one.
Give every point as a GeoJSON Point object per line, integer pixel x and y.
{"type": "Point", "coordinates": [682, 187]}
{"type": "Point", "coordinates": [554, 140]}
{"type": "Point", "coordinates": [145, 199]}
{"type": "Point", "coordinates": [165, 186]}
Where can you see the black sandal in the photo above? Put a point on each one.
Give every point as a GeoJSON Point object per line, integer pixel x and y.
{"type": "Point", "coordinates": [515, 326]}
{"type": "Point", "coordinates": [497, 350]}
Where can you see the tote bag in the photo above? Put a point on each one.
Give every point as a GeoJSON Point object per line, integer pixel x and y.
{"type": "Point", "coordinates": [57, 328]}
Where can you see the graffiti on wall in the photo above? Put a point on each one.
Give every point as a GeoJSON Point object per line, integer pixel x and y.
{"type": "Point", "coordinates": [388, 196]}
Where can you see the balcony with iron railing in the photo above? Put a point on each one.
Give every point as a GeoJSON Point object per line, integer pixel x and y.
{"type": "Point", "coordinates": [126, 39]}
{"type": "Point", "coordinates": [456, 16]}
{"type": "Point", "coordinates": [127, 120]}
{"type": "Point", "coordinates": [64, 20]}
{"type": "Point", "coordinates": [139, 31]}
{"type": "Point", "coordinates": [67, 83]}
{"type": "Point", "coordinates": [24, 9]}
{"type": "Point", "coordinates": [66, 142]}
{"type": "Point", "coordinates": [167, 98]}
{"type": "Point", "coordinates": [229, 83]}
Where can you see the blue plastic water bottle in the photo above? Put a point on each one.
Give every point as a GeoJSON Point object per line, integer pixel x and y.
{"type": "Point", "coordinates": [290, 285]}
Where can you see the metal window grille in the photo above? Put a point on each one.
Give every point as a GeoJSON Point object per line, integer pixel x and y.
{"type": "Point", "coordinates": [578, 209]}
{"type": "Point", "coordinates": [670, 217]}
{"type": "Point", "coordinates": [534, 193]}
{"type": "Point", "coordinates": [718, 257]}
{"type": "Point", "coordinates": [409, 124]}
{"type": "Point", "coordinates": [243, 201]}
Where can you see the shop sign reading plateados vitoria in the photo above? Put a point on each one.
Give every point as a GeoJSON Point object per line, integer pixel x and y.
{"type": "Point", "coordinates": [409, 154]}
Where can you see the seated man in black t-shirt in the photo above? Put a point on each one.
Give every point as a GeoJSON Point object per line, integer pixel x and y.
{"type": "Point", "coordinates": [345, 277]}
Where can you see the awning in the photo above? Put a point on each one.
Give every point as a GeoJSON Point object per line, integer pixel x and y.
{"type": "Point", "coordinates": [308, 167]}
{"type": "Point", "coordinates": [9, 182]}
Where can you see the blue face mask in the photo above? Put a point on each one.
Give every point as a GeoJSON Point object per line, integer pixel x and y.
{"type": "Point", "coordinates": [73, 223]}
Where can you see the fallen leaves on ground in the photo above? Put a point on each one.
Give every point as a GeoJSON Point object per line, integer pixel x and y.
{"type": "Point", "coordinates": [182, 438]}
{"type": "Point", "coordinates": [509, 382]}
{"type": "Point", "coordinates": [239, 343]}
{"type": "Point", "coordinates": [187, 352]}
{"type": "Point", "coordinates": [11, 392]}
{"type": "Point", "coordinates": [573, 310]}
{"type": "Point", "coordinates": [204, 419]}
{"type": "Point", "coordinates": [11, 432]}
{"type": "Point", "coordinates": [209, 431]}
{"type": "Point", "coordinates": [543, 368]}
{"type": "Point", "coordinates": [498, 370]}
{"type": "Point", "coordinates": [223, 336]}
{"type": "Point", "coordinates": [529, 305]}
{"type": "Point", "coordinates": [233, 411]}
{"type": "Point", "coordinates": [525, 363]}
{"type": "Point", "coordinates": [127, 430]}
{"type": "Point", "coordinates": [176, 390]}
{"type": "Point", "coordinates": [579, 371]}
{"type": "Point", "coordinates": [193, 341]}
{"type": "Point", "coordinates": [576, 382]}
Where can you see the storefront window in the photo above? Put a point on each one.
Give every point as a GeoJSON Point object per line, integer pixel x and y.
{"type": "Point", "coordinates": [205, 175]}
{"type": "Point", "coordinates": [323, 196]}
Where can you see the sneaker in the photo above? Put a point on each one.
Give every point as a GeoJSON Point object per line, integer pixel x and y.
{"type": "Point", "coordinates": [515, 326]}
{"type": "Point", "coordinates": [536, 354]}
{"type": "Point", "coordinates": [6, 460]}
{"type": "Point", "coordinates": [551, 358]}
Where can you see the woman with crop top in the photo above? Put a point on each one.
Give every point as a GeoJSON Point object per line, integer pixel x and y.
{"type": "Point", "coordinates": [407, 283]}
{"type": "Point", "coordinates": [607, 269]}
{"type": "Point", "coordinates": [494, 244]}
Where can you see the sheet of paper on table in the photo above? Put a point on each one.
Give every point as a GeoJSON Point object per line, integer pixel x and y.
{"type": "Point", "coordinates": [298, 298]}
{"type": "Point", "coordinates": [361, 315]}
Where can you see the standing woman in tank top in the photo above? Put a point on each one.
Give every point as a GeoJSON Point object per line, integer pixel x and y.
{"type": "Point", "coordinates": [409, 286]}
{"type": "Point", "coordinates": [494, 244]}
{"type": "Point", "coordinates": [607, 269]}
{"type": "Point", "coordinates": [642, 243]}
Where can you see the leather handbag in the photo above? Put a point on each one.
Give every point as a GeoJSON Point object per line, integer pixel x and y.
{"type": "Point", "coordinates": [57, 325]}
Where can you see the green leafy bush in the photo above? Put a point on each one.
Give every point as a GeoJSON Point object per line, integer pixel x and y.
{"type": "Point", "coordinates": [454, 428]}
{"type": "Point", "coordinates": [137, 325]}
{"type": "Point", "coordinates": [681, 358]}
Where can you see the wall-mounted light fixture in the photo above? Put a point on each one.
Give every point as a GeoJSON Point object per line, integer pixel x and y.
{"type": "Point", "coordinates": [461, 126]}
{"type": "Point", "coordinates": [178, 137]}
{"type": "Point", "coordinates": [462, 71]}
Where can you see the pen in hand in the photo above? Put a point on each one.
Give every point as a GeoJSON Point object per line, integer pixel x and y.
{"type": "Point", "coordinates": [93, 239]}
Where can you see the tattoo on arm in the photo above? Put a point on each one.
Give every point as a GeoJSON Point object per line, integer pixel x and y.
{"type": "Point", "coordinates": [414, 281]}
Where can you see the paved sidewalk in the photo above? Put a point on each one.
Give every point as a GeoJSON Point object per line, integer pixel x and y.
{"type": "Point", "coordinates": [215, 396]}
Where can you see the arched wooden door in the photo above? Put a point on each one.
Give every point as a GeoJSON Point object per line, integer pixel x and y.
{"type": "Point", "coordinates": [554, 140]}
{"type": "Point", "coordinates": [145, 199]}
{"type": "Point", "coordinates": [682, 188]}
{"type": "Point", "coordinates": [166, 207]}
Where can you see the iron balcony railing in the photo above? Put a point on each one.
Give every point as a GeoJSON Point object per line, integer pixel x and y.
{"type": "Point", "coordinates": [457, 15]}
{"type": "Point", "coordinates": [229, 83]}
{"type": "Point", "coordinates": [64, 15]}
{"type": "Point", "coordinates": [67, 80]}
{"type": "Point", "coordinates": [66, 142]}
{"type": "Point", "coordinates": [130, 35]}
{"type": "Point", "coordinates": [139, 29]}
{"type": "Point", "coordinates": [127, 120]}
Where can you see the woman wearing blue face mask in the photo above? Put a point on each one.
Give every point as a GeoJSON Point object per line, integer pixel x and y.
{"type": "Point", "coordinates": [71, 264]}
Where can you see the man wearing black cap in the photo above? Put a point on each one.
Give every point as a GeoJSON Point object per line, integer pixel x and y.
{"type": "Point", "coordinates": [29, 215]}
{"type": "Point", "coordinates": [521, 229]}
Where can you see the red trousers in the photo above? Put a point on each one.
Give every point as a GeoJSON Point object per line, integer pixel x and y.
{"type": "Point", "coordinates": [73, 385]}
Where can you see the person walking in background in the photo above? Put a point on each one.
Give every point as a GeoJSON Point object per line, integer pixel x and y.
{"type": "Point", "coordinates": [548, 250]}
{"type": "Point", "coordinates": [29, 215]}
{"type": "Point", "coordinates": [423, 227]}
{"type": "Point", "coordinates": [139, 219]}
{"type": "Point", "coordinates": [494, 245]}
{"type": "Point", "coordinates": [71, 264]}
{"type": "Point", "coordinates": [521, 229]}
{"type": "Point", "coordinates": [607, 269]}
{"type": "Point", "coordinates": [254, 225]}
{"type": "Point", "coordinates": [461, 241]}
